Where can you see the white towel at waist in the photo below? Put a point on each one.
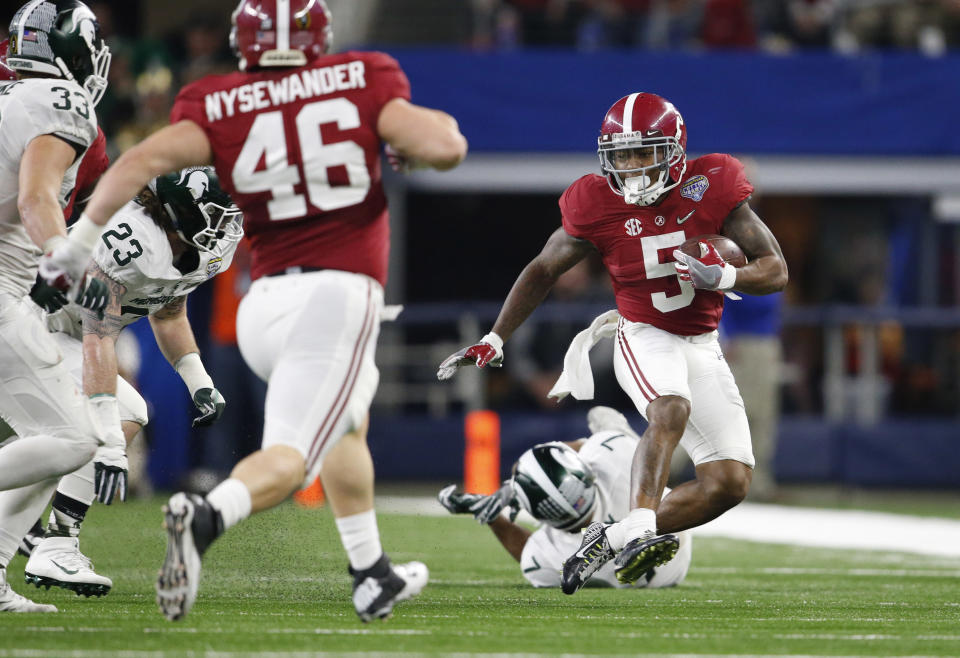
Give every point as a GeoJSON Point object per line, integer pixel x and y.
{"type": "Point", "coordinates": [577, 377]}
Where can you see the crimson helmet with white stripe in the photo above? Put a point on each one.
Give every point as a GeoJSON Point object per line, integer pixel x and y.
{"type": "Point", "coordinates": [644, 121]}
{"type": "Point", "coordinates": [280, 32]}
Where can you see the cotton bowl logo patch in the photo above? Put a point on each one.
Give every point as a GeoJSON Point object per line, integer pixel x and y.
{"type": "Point", "coordinates": [213, 266]}
{"type": "Point", "coordinates": [660, 221]}
{"type": "Point", "coordinates": [633, 226]}
{"type": "Point", "coordinates": [695, 187]}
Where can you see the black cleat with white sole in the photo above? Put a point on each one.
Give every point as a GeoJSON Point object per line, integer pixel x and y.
{"type": "Point", "coordinates": [377, 589]}
{"type": "Point", "coordinates": [191, 525]}
{"type": "Point", "coordinates": [594, 552]}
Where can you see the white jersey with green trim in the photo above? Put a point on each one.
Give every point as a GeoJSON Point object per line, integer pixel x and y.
{"type": "Point", "coordinates": [610, 454]}
{"type": "Point", "coordinates": [28, 109]}
{"type": "Point", "coordinates": [136, 253]}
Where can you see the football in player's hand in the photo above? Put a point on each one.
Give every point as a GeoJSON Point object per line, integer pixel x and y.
{"type": "Point", "coordinates": [728, 249]}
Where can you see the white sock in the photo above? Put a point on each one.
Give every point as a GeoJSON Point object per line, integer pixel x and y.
{"type": "Point", "coordinates": [361, 539]}
{"type": "Point", "coordinates": [79, 484]}
{"type": "Point", "coordinates": [232, 499]}
{"type": "Point", "coordinates": [636, 524]}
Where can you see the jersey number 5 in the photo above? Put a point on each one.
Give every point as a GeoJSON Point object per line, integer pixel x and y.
{"type": "Point", "coordinates": [267, 143]}
{"type": "Point", "coordinates": [651, 245]}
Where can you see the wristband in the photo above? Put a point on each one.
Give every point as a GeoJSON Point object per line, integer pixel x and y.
{"type": "Point", "coordinates": [493, 340]}
{"type": "Point", "coordinates": [84, 234]}
{"type": "Point", "coordinates": [191, 371]}
{"type": "Point", "coordinates": [52, 243]}
{"type": "Point", "coordinates": [728, 277]}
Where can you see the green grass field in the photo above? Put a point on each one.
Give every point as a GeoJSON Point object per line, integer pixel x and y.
{"type": "Point", "coordinates": [277, 587]}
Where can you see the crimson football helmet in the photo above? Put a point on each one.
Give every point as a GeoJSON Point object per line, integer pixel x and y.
{"type": "Point", "coordinates": [6, 73]}
{"type": "Point", "coordinates": [280, 32]}
{"type": "Point", "coordinates": [643, 121]}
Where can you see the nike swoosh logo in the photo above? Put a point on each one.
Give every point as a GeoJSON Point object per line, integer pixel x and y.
{"type": "Point", "coordinates": [64, 569]}
{"type": "Point", "coordinates": [681, 220]}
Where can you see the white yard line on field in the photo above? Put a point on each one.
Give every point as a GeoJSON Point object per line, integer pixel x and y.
{"type": "Point", "coordinates": [798, 526]}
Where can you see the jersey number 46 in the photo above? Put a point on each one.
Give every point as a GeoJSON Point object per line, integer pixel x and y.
{"type": "Point", "coordinates": [267, 142]}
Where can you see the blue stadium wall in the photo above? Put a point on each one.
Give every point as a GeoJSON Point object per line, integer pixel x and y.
{"type": "Point", "coordinates": [872, 105]}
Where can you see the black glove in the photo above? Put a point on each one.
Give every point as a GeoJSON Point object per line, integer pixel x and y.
{"type": "Point", "coordinates": [210, 404]}
{"type": "Point", "coordinates": [47, 297]}
{"type": "Point", "coordinates": [93, 296]}
{"type": "Point", "coordinates": [485, 509]}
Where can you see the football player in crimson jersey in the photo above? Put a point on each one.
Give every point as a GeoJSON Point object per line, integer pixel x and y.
{"type": "Point", "coordinates": [649, 200]}
{"type": "Point", "coordinates": [295, 137]}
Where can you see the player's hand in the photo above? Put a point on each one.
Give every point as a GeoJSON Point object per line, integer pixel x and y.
{"type": "Point", "coordinates": [63, 266]}
{"type": "Point", "coordinates": [485, 509]}
{"type": "Point", "coordinates": [110, 472]}
{"type": "Point", "coordinates": [210, 404]}
{"type": "Point", "coordinates": [93, 296]}
{"type": "Point", "coordinates": [489, 351]}
{"type": "Point", "coordinates": [708, 272]}
{"type": "Point", "coordinates": [47, 297]}
{"type": "Point", "coordinates": [398, 162]}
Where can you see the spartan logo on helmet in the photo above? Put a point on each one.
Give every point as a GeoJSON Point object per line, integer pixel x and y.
{"type": "Point", "coordinates": [203, 215]}
{"type": "Point", "coordinates": [554, 485]}
{"type": "Point", "coordinates": [60, 38]}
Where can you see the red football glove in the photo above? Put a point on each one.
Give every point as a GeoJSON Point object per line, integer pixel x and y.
{"type": "Point", "coordinates": [708, 272]}
{"type": "Point", "coordinates": [489, 351]}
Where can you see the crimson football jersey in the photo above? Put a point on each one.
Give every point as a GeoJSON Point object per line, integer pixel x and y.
{"type": "Point", "coordinates": [94, 163]}
{"type": "Point", "coordinates": [298, 150]}
{"type": "Point", "coordinates": [637, 242]}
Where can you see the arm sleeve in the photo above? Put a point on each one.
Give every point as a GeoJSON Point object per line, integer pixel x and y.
{"type": "Point", "coordinates": [571, 210]}
{"type": "Point", "coordinates": [736, 187]}
{"type": "Point", "coordinates": [39, 115]}
{"type": "Point", "coordinates": [386, 79]}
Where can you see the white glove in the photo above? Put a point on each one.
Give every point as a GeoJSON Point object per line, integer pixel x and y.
{"type": "Point", "coordinates": [489, 351]}
{"type": "Point", "coordinates": [709, 272]}
{"type": "Point", "coordinates": [63, 266]}
{"type": "Point", "coordinates": [110, 461]}
{"type": "Point", "coordinates": [64, 260]}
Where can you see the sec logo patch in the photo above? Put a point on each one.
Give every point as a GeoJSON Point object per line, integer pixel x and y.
{"type": "Point", "coordinates": [633, 226]}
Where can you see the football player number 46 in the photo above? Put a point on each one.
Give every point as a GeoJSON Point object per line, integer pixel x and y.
{"type": "Point", "coordinates": [651, 245]}
{"type": "Point", "coordinates": [267, 143]}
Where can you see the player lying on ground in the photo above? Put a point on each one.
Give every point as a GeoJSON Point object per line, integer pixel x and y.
{"type": "Point", "coordinates": [179, 232]}
{"type": "Point", "coordinates": [567, 486]}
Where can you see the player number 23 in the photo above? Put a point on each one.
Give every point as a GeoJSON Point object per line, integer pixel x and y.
{"type": "Point", "coordinates": [652, 246]}
{"type": "Point", "coordinates": [267, 143]}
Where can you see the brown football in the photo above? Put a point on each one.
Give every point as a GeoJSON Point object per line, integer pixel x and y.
{"type": "Point", "coordinates": [729, 250]}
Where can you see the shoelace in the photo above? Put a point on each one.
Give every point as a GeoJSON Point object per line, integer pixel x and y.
{"type": "Point", "coordinates": [74, 558]}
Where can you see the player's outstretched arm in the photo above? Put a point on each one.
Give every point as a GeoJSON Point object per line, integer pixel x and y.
{"type": "Point", "coordinates": [766, 269]}
{"type": "Point", "coordinates": [512, 536]}
{"type": "Point", "coordinates": [171, 148]}
{"type": "Point", "coordinates": [171, 328]}
{"type": "Point", "coordinates": [420, 136]}
{"type": "Point", "coordinates": [561, 252]}
{"type": "Point", "coordinates": [100, 384]}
